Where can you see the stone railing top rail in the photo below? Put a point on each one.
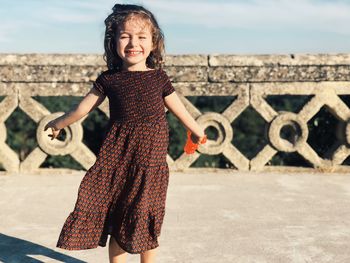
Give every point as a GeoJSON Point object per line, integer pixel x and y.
{"type": "Point", "coordinates": [251, 79]}
{"type": "Point", "coordinates": [182, 60]}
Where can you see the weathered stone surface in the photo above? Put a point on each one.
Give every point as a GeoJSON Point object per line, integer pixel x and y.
{"type": "Point", "coordinates": [186, 60]}
{"type": "Point", "coordinates": [288, 60]}
{"type": "Point", "coordinates": [52, 59]}
{"type": "Point", "coordinates": [187, 74]}
{"type": "Point", "coordinates": [208, 89]}
{"type": "Point", "coordinates": [90, 60]}
{"type": "Point", "coordinates": [73, 73]}
{"type": "Point", "coordinates": [250, 79]}
{"type": "Point", "coordinates": [46, 88]}
{"type": "Point", "coordinates": [49, 73]}
{"type": "Point", "coordinates": [279, 73]}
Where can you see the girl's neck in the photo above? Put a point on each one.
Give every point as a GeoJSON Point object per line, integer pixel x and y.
{"type": "Point", "coordinates": [136, 69]}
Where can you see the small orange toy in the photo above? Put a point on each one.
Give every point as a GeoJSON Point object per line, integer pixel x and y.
{"type": "Point", "coordinates": [190, 146]}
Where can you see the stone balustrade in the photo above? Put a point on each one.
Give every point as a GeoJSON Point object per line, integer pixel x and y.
{"type": "Point", "coordinates": [249, 78]}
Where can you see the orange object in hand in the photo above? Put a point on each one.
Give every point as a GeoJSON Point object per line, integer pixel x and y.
{"type": "Point", "coordinates": [190, 146]}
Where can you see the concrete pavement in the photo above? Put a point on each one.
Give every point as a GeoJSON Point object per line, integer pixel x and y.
{"type": "Point", "coordinates": [210, 218]}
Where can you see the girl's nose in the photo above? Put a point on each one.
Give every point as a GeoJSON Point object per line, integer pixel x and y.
{"type": "Point", "coordinates": [133, 41]}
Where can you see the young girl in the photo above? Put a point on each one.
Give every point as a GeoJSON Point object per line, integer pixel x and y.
{"type": "Point", "coordinates": [123, 194]}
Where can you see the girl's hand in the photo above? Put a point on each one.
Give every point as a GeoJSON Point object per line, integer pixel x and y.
{"type": "Point", "coordinates": [197, 139]}
{"type": "Point", "coordinates": [55, 131]}
{"type": "Point", "coordinates": [193, 142]}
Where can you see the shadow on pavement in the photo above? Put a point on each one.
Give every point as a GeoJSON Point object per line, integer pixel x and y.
{"type": "Point", "coordinates": [15, 250]}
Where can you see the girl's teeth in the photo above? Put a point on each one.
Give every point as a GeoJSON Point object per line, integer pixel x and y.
{"type": "Point", "coordinates": [131, 52]}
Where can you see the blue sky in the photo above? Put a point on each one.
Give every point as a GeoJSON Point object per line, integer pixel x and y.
{"type": "Point", "coordinates": [189, 26]}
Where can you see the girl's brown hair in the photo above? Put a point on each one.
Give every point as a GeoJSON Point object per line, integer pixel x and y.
{"type": "Point", "coordinates": [121, 13]}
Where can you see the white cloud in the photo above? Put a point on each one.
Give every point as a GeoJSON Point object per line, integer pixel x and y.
{"type": "Point", "coordinates": [305, 14]}
{"type": "Point", "coordinates": [63, 13]}
{"type": "Point", "coordinates": [68, 16]}
{"type": "Point", "coordinates": [94, 5]}
{"type": "Point", "coordinates": [10, 30]}
{"type": "Point", "coordinates": [282, 19]}
{"type": "Point", "coordinates": [5, 33]}
{"type": "Point", "coordinates": [323, 16]}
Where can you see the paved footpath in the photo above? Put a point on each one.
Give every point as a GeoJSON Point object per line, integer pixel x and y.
{"type": "Point", "coordinates": [210, 218]}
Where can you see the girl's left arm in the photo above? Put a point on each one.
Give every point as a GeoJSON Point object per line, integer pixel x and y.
{"type": "Point", "coordinates": [175, 105]}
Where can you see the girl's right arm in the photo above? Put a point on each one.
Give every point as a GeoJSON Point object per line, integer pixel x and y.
{"type": "Point", "coordinates": [175, 105]}
{"type": "Point", "coordinates": [91, 100]}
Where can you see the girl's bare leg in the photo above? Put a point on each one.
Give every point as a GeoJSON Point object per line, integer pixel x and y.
{"type": "Point", "coordinates": [116, 253]}
{"type": "Point", "coordinates": [148, 256]}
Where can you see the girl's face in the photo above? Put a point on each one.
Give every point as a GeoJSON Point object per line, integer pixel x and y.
{"type": "Point", "coordinates": [134, 44]}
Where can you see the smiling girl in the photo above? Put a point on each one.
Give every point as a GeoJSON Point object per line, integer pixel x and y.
{"type": "Point", "coordinates": [124, 193]}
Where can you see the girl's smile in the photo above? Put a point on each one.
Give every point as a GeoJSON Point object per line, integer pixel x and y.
{"type": "Point", "coordinates": [133, 53]}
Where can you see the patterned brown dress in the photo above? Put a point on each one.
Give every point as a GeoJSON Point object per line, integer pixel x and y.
{"type": "Point", "coordinates": [124, 193]}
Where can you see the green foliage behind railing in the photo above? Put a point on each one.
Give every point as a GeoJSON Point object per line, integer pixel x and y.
{"type": "Point", "coordinates": [249, 129]}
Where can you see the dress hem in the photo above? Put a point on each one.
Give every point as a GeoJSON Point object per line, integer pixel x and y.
{"type": "Point", "coordinates": [126, 250]}
{"type": "Point", "coordinates": [104, 245]}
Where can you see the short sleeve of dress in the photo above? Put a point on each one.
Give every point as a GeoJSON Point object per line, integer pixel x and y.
{"type": "Point", "coordinates": [99, 84]}
{"type": "Point", "coordinates": [167, 86]}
